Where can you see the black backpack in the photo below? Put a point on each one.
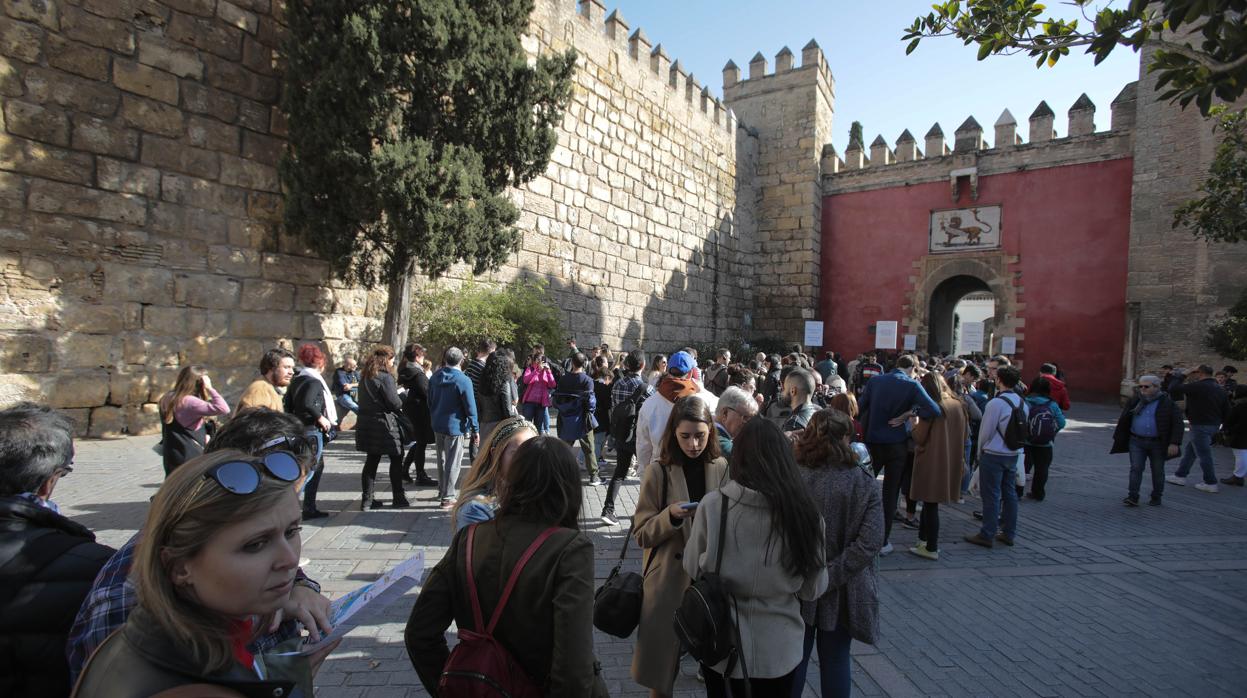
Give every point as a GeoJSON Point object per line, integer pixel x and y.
{"type": "Point", "coordinates": [1016, 431]}
{"type": "Point", "coordinates": [704, 622]}
{"type": "Point", "coordinates": [623, 418]}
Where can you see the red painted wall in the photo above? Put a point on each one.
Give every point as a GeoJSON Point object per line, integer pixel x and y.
{"type": "Point", "coordinates": [1070, 226]}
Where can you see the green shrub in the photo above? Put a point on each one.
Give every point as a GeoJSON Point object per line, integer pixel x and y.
{"type": "Point", "coordinates": [1228, 336]}
{"type": "Point", "coordinates": [516, 315]}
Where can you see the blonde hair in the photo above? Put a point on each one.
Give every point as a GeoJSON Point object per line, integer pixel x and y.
{"type": "Point", "coordinates": [485, 470]}
{"type": "Point", "coordinates": [187, 511]}
{"type": "Point", "coordinates": [189, 382]}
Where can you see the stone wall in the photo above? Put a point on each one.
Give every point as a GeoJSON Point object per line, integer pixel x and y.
{"type": "Point", "coordinates": [139, 222]}
{"type": "Point", "coordinates": [791, 110]}
{"type": "Point", "coordinates": [1177, 284]}
{"type": "Point", "coordinates": [140, 211]}
{"type": "Point", "coordinates": [637, 223]}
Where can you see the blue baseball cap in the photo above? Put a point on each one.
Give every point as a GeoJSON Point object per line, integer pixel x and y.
{"type": "Point", "coordinates": [680, 363]}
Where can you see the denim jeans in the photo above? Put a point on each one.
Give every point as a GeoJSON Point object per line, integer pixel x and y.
{"type": "Point", "coordinates": [1201, 445]}
{"type": "Point", "coordinates": [834, 664]}
{"type": "Point", "coordinates": [968, 471]}
{"type": "Point", "coordinates": [997, 482]}
{"type": "Point", "coordinates": [1141, 450]}
{"type": "Point", "coordinates": [537, 414]}
{"type": "Point", "coordinates": [346, 404]}
{"type": "Point", "coordinates": [599, 443]}
{"type": "Point", "coordinates": [312, 484]}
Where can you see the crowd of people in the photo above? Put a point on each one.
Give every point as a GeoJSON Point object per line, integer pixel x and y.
{"type": "Point", "coordinates": [762, 476]}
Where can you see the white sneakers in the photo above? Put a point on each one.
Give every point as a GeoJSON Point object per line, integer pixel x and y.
{"type": "Point", "coordinates": [885, 550]}
{"type": "Point", "coordinates": [1201, 486]}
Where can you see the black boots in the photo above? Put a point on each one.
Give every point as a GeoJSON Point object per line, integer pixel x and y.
{"type": "Point", "coordinates": [366, 501]}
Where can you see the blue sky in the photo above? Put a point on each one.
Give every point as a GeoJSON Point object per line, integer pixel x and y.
{"type": "Point", "coordinates": [876, 83]}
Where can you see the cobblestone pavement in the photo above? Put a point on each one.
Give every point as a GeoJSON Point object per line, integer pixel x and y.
{"type": "Point", "coordinates": [1095, 599]}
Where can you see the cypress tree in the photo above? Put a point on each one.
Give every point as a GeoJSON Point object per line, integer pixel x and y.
{"type": "Point", "coordinates": [408, 121]}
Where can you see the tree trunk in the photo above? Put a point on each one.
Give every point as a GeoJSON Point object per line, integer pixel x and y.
{"type": "Point", "coordinates": [398, 311]}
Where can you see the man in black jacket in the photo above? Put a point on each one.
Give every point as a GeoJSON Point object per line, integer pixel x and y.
{"type": "Point", "coordinates": [47, 562]}
{"type": "Point", "coordinates": [1207, 406]}
{"type": "Point", "coordinates": [1150, 428]}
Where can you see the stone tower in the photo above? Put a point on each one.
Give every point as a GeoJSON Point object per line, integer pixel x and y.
{"type": "Point", "coordinates": [791, 110]}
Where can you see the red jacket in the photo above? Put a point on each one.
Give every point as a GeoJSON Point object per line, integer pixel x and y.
{"type": "Point", "coordinates": [1059, 394]}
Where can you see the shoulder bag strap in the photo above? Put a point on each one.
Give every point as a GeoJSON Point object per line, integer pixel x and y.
{"type": "Point", "coordinates": [662, 508]}
{"type": "Point", "coordinates": [718, 560]}
{"type": "Point", "coordinates": [515, 577]}
{"type": "Point", "coordinates": [477, 621]}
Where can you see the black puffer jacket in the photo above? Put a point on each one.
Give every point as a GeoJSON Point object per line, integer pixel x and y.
{"type": "Point", "coordinates": [47, 564]}
{"type": "Point", "coordinates": [305, 399]}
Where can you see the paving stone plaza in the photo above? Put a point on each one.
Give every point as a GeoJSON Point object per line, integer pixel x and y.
{"type": "Point", "coordinates": [1095, 599]}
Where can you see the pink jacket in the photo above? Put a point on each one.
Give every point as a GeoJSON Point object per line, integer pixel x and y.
{"type": "Point", "coordinates": [538, 382]}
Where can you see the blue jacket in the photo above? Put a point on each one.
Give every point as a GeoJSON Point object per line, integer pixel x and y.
{"type": "Point", "coordinates": [575, 400]}
{"type": "Point", "coordinates": [892, 395]}
{"type": "Point", "coordinates": [452, 403]}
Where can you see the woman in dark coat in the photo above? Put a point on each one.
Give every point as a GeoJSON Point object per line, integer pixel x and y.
{"type": "Point", "coordinates": [377, 431]}
{"type": "Point", "coordinates": [416, 406]}
{"type": "Point", "coordinates": [546, 624]}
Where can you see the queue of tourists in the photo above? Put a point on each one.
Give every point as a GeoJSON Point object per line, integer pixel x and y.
{"type": "Point", "coordinates": [768, 489]}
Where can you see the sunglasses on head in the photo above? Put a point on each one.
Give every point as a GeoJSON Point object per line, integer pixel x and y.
{"type": "Point", "coordinates": [243, 477]}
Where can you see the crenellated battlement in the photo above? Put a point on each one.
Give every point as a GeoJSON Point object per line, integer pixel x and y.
{"type": "Point", "coordinates": [813, 63]}
{"type": "Point", "coordinates": [610, 42]}
{"type": "Point", "coordinates": [882, 165]}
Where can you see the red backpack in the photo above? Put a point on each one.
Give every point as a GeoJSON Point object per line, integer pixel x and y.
{"type": "Point", "coordinates": [479, 666]}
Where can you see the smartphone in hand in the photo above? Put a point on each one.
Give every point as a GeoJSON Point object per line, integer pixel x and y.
{"type": "Point", "coordinates": [688, 506]}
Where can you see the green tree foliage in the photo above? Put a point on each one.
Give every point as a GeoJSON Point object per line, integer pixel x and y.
{"type": "Point", "coordinates": [1228, 336]}
{"type": "Point", "coordinates": [519, 315]}
{"type": "Point", "coordinates": [1220, 214]}
{"type": "Point", "coordinates": [1202, 44]}
{"type": "Point", "coordinates": [408, 120]}
{"type": "Point", "coordinates": [855, 135]}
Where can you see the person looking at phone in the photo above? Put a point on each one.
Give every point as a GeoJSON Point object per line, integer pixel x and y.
{"type": "Point", "coordinates": [183, 410]}
{"type": "Point", "coordinates": [688, 465]}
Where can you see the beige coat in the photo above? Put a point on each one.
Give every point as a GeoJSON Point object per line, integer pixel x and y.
{"type": "Point", "coordinates": [940, 454]}
{"type": "Point", "coordinates": [657, 654]}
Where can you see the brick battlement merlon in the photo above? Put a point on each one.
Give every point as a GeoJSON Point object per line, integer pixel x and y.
{"type": "Point", "coordinates": [631, 46]}
{"type": "Point", "coordinates": [880, 166]}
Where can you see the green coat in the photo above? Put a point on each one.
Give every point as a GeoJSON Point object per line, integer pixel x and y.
{"type": "Point", "coordinates": [548, 622]}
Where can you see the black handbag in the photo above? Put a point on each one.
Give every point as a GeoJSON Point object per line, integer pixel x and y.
{"type": "Point", "coordinates": [617, 603]}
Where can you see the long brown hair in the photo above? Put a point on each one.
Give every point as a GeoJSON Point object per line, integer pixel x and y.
{"type": "Point", "coordinates": [543, 483]}
{"type": "Point", "coordinates": [188, 510]}
{"type": "Point", "coordinates": [189, 382]}
{"type": "Point", "coordinates": [689, 408]}
{"type": "Point", "coordinates": [377, 362]}
{"type": "Point", "coordinates": [935, 386]}
{"type": "Point", "coordinates": [825, 440]}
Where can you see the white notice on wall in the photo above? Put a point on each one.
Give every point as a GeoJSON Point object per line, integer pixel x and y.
{"type": "Point", "coordinates": [885, 334]}
{"type": "Point", "coordinates": [1009, 345]}
{"type": "Point", "coordinates": [813, 333]}
{"type": "Point", "coordinates": [971, 337]}
{"type": "Point", "coordinates": [911, 342]}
